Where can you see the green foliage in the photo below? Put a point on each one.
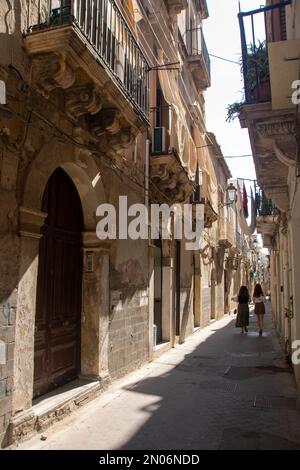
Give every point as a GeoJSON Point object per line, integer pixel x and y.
{"type": "Point", "coordinates": [257, 63]}
{"type": "Point", "coordinates": [257, 68]}
{"type": "Point", "coordinates": [233, 110]}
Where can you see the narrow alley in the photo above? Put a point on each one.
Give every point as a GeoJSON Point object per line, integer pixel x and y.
{"type": "Point", "coordinates": [149, 204]}
{"type": "Point", "coordinates": [218, 390]}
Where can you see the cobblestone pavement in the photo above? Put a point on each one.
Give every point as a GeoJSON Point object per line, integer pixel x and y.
{"type": "Point", "coordinates": [218, 390]}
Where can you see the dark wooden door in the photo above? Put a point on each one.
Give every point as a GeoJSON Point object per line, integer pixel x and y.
{"type": "Point", "coordinates": [58, 303]}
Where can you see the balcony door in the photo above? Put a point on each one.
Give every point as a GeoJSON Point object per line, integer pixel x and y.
{"type": "Point", "coordinates": [59, 283]}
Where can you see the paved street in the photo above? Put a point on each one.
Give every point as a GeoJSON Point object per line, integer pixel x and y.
{"type": "Point", "coordinates": [219, 390]}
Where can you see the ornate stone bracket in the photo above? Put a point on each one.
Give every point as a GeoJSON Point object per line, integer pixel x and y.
{"type": "Point", "coordinates": [172, 180]}
{"type": "Point", "coordinates": [210, 216]}
{"type": "Point", "coordinates": [278, 127]}
{"type": "Point", "coordinates": [108, 120]}
{"type": "Point", "coordinates": [51, 71]}
{"type": "Point", "coordinates": [83, 99]}
{"type": "Point", "coordinates": [282, 156]}
{"type": "Point", "coordinates": [279, 195]}
{"type": "Point", "coordinates": [176, 6]}
{"type": "Point", "coordinates": [120, 141]}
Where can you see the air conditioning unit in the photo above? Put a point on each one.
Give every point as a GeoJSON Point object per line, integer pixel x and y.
{"type": "Point", "coordinates": [159, 140]}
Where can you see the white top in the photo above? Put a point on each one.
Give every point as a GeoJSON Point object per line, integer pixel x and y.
{"type": "Point", "coordinates": [258, 300]}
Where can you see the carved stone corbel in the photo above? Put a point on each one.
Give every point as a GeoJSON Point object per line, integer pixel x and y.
{"type": "Point", "coordinates": [83, 99]}
{"type": "Point", "coordinates": [279, 195]}
{"type": "Point", "coordinates": [273, 128]}
{"type": "Point", "coordinates": [120, 141]}
{"type": "Point", "coordinates": [282, 156]}
{"type": "Point", "coordinates": [107, 120]}
{"type": "Point", "coordinates": [169, 177]}
{"type": "Point", "coordinates": [51, 71]}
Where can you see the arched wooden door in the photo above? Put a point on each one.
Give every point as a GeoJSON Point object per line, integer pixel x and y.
{"type": "Point", "coordinates": [59, 283]}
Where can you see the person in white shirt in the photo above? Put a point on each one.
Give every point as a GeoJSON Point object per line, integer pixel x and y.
{"type": "Point", "coordinates": [259, 307]}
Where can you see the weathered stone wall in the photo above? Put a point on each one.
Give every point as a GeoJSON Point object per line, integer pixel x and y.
{"type": "Point", "coordinates": [128, 332]}
{"type": "Point", "coordinates": [206, 296]}
{"type": "Point", "coordinates": [129, 313]}
{"type": "Point", "coordinates": [12, 20]}
{"type": "Point", "coordinates": [9, 274]}
{"type": "Point", "coordinates": [186, 293]}
{"type": "Point", "coordinates": [220, 299]}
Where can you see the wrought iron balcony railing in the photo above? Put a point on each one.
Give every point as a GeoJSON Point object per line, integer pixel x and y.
{"type": "Point", "coordinates": [264, 205]}
{"type": "Point", "coordinates": [255, 63]}
{"type": "Point", "coordinates": [196, 47]}
{"type": "Point", "coordinates": [108, 32]}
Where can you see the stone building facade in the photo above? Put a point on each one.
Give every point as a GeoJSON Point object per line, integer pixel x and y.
{"type": "Point", "coordinates": [91, 110]}
{"type": "Point", "coordinates": [272, 119]}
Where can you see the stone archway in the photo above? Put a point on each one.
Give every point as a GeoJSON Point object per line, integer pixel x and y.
{"type": "Point", "coordinates": [86, 177]}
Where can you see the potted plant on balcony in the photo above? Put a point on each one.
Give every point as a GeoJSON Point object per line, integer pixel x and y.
{"type": "Point", "coordinates": [258, 79]}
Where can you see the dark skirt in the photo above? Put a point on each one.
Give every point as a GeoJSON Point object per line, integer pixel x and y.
{"type": "Point", "coordinates": [242, 318]}
{"type": "Point", "coordinates": [259, 308]}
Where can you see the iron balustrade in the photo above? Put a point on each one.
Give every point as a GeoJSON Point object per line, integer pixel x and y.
{"type": "Point", "coordinates": [196, 46]}
{"type": "Point", "coordinates": [264, 205]}
{"type": "Point", "coordinates": [105, 28]}
{"type": "Point", "coordinates": [255, 64]}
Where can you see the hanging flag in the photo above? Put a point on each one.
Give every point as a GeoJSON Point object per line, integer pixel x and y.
{"type": "Point", "coordinates": [245, 202]}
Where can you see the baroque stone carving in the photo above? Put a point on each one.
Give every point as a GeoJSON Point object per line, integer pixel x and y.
{"type": "Point", "coordinates": [170, 178]}
{"type": "Point", "coordinates": [267, 129]}
{"type": "Point", "coordinates": [83, 99]}
{"type": "Point", "coordinates": [107, 120]}
{"type": "Point", "coordinates": [51, 71]}
{"type": "Point", "coordinates": [176, 6]}
{"type": "Point", "coordinates": [121, 140]}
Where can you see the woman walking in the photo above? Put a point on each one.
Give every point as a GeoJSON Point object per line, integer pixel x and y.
{"type": "Point", "coordinates": [242, 319]}
{"type": "Point", "coordinates": [259, 307]}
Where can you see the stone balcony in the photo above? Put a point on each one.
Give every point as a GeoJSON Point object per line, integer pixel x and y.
{"type": "Point", "coordinates": [198, 58]}
{"type": "Point", "coordinates": [97, 65]}
{"type": "Point", "coordinates": [273, 140]}
{"type": "Point", "coordinates": [210, 215]}
{"type": "Point", "coordinates": [267, 219]}
{"type": "Point", "coordinates": [225, 232]}
{"type": "Point", "coordinates": [170, 180]}
{"type": "Point", "coordinates": [176, 6]}
{"type": "Point", "coordinates": [269, 113]}
{"type": "Point", "coordinates": [202, 8]}
{"type": "Point", "coordinates": [266, 225]}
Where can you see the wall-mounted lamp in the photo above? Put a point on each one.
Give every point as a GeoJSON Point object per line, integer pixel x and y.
{"type": "Point", "coordinates": [231, 193]}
